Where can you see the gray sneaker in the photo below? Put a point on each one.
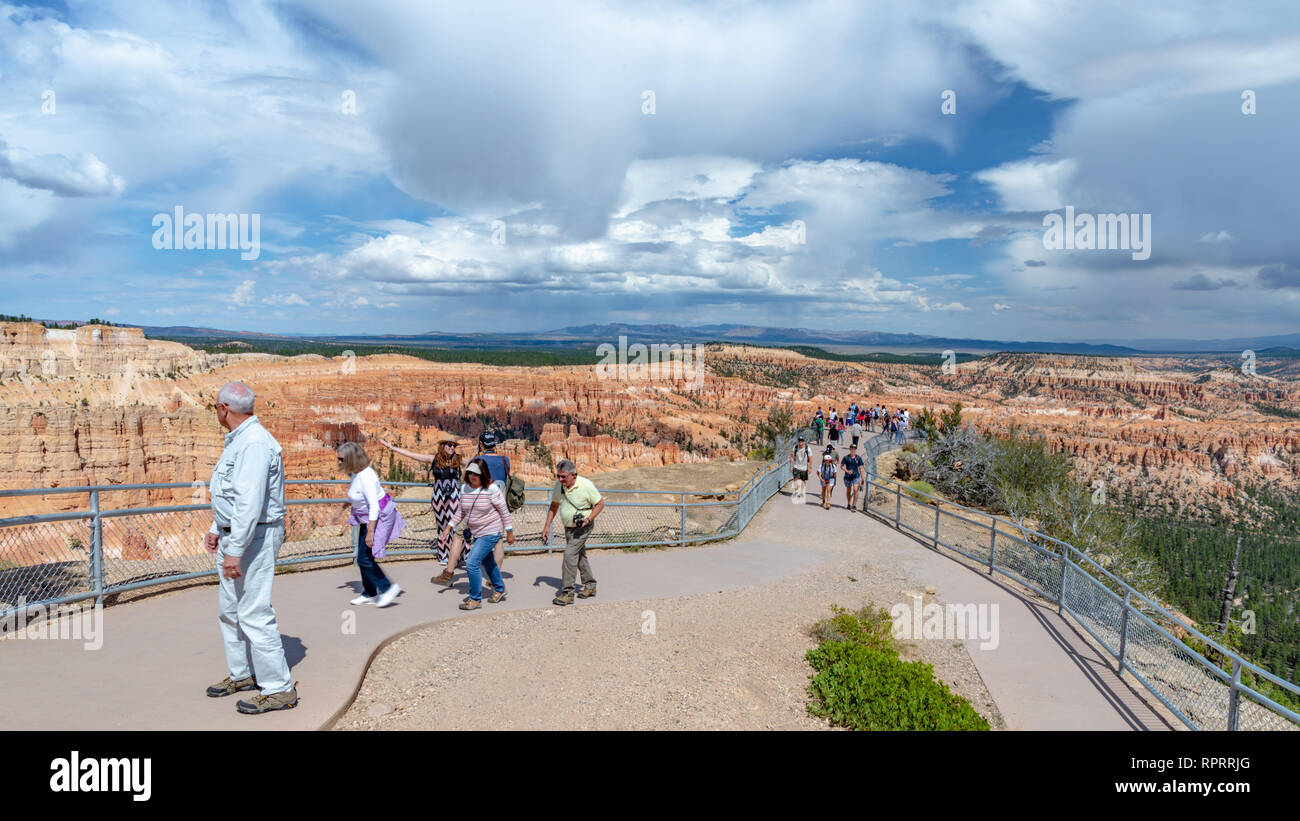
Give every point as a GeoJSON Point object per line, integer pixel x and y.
{"type": "Point", "coordinates": [265, 704]}
{"type": "Point", "coordinates": [228, 687]}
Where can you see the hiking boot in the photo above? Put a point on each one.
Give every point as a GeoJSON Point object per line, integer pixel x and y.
{"type": "Point", "coordinates": [265, 704]}
{"type": "Point", "coordinates": [444, 578]}
{"type": "Point", "coordinates": [493, 597]}
{"type": "Point", "coordinates": [470, 604]}
{"type": "Point", "coordinates": [228, 687]}
{"type": "Point", "coordinates": [564, 599]}
{"type": "Point", "coordinates": [588, 591]}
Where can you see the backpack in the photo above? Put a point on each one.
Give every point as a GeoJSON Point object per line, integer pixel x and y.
{"type": "Point", "coordinates": [514, 493]}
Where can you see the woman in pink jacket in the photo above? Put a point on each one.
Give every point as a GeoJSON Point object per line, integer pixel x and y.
{"type": "Point", "coordinates": [482, 506]}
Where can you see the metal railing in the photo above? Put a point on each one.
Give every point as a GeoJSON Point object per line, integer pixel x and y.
{"type": "Point", "coordinates": [102, 549]}
{"type": "Point", "coordinates": [1140, 634]}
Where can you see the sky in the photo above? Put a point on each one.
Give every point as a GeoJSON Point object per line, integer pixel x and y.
{"type": "Point", "coordinates": [522, 166]}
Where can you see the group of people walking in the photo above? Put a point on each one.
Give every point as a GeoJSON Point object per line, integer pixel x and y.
{"type": "Point", "coordinates": [854, 421]}
{"type": "Point", "coordinates": [828, 470]}
{"type": "Point", "coordinates": [248, 530]}
{"type": "Point", "coordinates": [842, 428]}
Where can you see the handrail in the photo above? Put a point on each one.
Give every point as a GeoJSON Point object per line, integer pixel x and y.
{"type": "Point", "coordinates": [1074, 560]}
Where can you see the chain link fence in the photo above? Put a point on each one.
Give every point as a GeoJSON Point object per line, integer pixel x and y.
{"type": "Point", "coordinates": [1142, 636]}
{"type": "Point", "coordinates": [86, 551]}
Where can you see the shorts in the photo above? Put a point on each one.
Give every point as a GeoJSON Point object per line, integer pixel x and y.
{"type": "Point", "coordinates": [801, 475]}
{"type": "Point", "coordinates": [852, 479]}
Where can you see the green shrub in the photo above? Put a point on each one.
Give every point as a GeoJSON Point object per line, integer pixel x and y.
{"type": "Point", "coordinates": [861, 683]}
{"type": "Point", "coordinates": [918, 487]}
{"type": "Point", "coordinates": [864, 688]}
{"type": "Point", "coordinates": [863, 627]}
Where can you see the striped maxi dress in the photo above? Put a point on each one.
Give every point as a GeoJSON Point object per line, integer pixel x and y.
{"type": "Point", "coordinates": [446, 495]}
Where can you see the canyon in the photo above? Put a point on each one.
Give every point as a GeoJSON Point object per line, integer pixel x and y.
{"type": "Point", "coordinates": [103, 405]}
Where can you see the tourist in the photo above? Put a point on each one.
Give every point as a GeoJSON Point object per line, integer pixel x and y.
{"type": "Point", "coordinates": [819, 424]}
{"type": "Point", "coordinates": [834, 429]}
{"type": "Point", "coordinates": [578, 503]}
{"type": "Point", "coordinates": [856, 431]}
{"type": "Point", "coordinates": [827, 475]}
{"type": "Point", "coordinates": [852, 475]}
{"type": "Point", "coordinates": [799, 461]}
{"type": "Point", "coordinates": [446, 485]}
{"type": "Point", "coordinates": [901, 425]}
{"type": "Point", "coordinates": [482, 506]}
{"type": "Point", "coordinates": [247, 531]}
{"type": "Point", "coordinates": [499, 466]}
{"type": "Point", "coordinates": [375, 522]}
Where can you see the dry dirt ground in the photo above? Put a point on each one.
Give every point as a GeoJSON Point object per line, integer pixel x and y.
{"type": "Point", "coordinates": [704, 662]}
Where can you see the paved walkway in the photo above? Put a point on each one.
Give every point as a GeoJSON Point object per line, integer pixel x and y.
{"type": "Point", "coordinates": [159, 654]}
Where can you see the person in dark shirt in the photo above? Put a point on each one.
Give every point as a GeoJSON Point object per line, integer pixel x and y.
{"type": "Point", "coordinates": [499, 468]}
{"type": "Point", "coordinates": [852, 476]}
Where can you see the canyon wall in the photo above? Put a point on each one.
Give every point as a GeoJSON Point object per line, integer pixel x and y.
{"type": "Point", "coordinates": [103, 405]}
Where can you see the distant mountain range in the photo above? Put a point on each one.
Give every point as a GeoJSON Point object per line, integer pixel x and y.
{"type": "Point", "coordinates": [595, 334]}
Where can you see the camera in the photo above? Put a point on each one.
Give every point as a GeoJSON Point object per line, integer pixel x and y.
{"type": "Point", "coordinates": [579, 521]}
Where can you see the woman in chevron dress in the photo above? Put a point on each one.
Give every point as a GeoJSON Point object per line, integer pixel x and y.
{"type": "Point", "coordinates": [446, 485]}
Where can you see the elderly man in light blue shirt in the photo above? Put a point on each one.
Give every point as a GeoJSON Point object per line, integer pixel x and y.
{"type": "Point", "coordinates": [247, 530]}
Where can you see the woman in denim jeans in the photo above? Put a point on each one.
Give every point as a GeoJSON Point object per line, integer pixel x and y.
{"type": "Point", "coordinates": [482, 506]}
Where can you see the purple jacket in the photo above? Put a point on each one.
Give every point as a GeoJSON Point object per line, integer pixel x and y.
{"type": "Point", "coordinates": [388, 526]}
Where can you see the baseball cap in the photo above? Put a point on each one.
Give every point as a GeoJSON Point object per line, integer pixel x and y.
{"type": "Point", "coordinates": [487, 439]}
{"type": "Point", "coordinates": [474, 468]}
{"type": "Point", "coordinates": [828, 458]}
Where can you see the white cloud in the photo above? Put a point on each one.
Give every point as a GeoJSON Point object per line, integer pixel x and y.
{"type": "Point", "coordinates": [1031, 185]}
{"type": "Point", "coordinates": [81, 176]}
{"type": "Point", "coordinates": [243, 293]}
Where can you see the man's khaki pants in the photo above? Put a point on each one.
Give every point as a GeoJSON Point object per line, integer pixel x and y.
{"type": "Point", "coordinates": [248, 626]}
{"type": "Point", "coordinates": [575, 558]}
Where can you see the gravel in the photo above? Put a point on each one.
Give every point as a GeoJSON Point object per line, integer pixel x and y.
{"type": "Point", "coordinates": [713, 661]}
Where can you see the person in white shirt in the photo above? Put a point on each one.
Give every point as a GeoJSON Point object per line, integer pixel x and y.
{"type": "Point", "coordinates": [799, 462]}
{"type": "Point", "coordinates": [247, 531]}
{"type": "Point", "coordinates": [374, 519]}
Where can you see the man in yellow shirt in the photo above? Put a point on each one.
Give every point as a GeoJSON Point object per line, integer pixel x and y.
{"type": "Point", "coordinates": [578, 503]}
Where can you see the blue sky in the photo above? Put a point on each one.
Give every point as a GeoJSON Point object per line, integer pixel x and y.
{"type": "Point", "coordinates": [500, 171]}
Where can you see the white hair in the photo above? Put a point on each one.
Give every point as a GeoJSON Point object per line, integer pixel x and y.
{"type": "Point", "coordinates": [238, 396]}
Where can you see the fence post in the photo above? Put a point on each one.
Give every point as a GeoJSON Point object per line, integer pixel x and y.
{"type": "Point", "coordinates": [866, 495]}
{"type": "Point", "coordinates": [96, 549]}
{"type": "Point", "coordinates": [1065, 569]}
{"type": "Point", "coordinates": [683, 520]}
{"type": "Point", "coordinates": [1123, 633]}
{"type": "Point", "coordinates": [936, 524]}
{"type": "Point", "coordinates": [1234, 695]}
{"type": "Point", "coordinates": [550, 499]}
{"type": "Point", "coordinates": [993, 542]}
{"type": "Point", "coordinates": [898, 506]}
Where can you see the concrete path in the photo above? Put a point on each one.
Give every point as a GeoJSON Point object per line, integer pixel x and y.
{"type": "Point", "coordinates": [159, 654]}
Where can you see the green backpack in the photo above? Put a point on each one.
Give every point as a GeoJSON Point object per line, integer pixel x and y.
{"type": "Point", "coordinates": [514, 493]}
